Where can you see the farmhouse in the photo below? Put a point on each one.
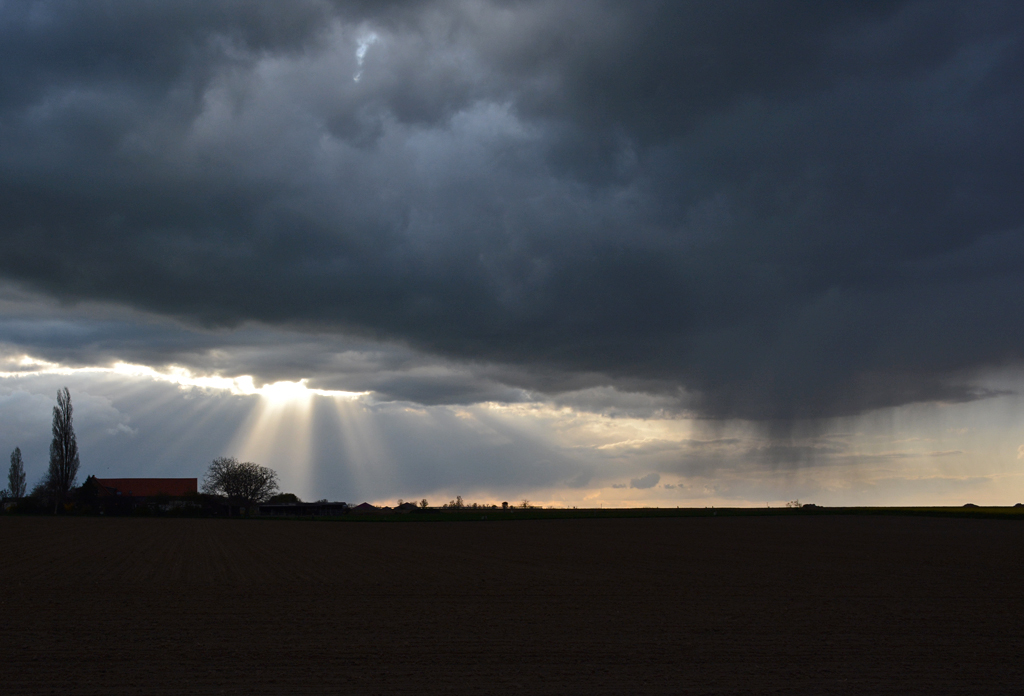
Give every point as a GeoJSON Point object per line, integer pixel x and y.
{"type": "Point", "coordinates": [143, 487]}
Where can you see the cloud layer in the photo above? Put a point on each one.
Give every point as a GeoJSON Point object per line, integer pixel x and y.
{"type": "Point", "coordinates": [746, 209]}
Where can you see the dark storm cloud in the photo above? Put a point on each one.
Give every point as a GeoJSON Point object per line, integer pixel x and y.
{"type": "Point", "coordinates": [763, 210]}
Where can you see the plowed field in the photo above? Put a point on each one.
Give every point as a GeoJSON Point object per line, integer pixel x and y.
{"type": "Point", "coordinates": [823, 604]}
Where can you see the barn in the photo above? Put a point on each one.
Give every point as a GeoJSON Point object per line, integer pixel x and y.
{"type": "Point", "coordinates": [144, 487]}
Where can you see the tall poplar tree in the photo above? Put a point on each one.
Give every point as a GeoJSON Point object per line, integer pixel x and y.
{"type": "Point", "coordinates": [16, 475]}
{"type": "Point", "coordinates": [63, 450]}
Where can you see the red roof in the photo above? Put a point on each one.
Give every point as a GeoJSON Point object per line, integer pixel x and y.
{"type": "Point", "coordinates": [146, 487]}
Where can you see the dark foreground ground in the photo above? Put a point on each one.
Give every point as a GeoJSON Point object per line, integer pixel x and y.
{"type": "Point", "coordinates": [820, 604]}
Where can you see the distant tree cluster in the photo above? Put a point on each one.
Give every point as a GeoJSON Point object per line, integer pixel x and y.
{"type": "Point", "coordinates": [459, 504]}
{"type": "Point", "coordinates": [284, 498]}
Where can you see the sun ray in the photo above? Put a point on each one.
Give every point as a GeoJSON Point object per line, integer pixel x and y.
{"type": "Point", "coordinates": [366, 455]}
{"type": "Point", "coordinates": [277, 433]}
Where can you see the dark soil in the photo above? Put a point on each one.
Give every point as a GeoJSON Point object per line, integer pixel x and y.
{"type": "Point", "coordinates": [819, 604]}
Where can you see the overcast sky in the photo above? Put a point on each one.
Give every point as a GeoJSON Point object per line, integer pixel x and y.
{"type": "Point", "coordinates": [729, 252]}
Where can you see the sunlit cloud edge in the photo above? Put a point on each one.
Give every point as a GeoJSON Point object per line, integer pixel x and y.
{"type": "Point", "coordinates": [242, 385]}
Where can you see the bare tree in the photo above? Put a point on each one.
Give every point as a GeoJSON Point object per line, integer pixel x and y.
{"type": "Point", "coordinates": [16, 475]}
{"type": "Point", "coordinates": [63, 450]}
{"type": "Point", "coordinates": [423, 504]}
{"type": "Point", "coordinates": [240, 482]}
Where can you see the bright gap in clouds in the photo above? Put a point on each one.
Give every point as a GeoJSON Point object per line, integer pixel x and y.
{"type": "Point", "coordinates": [364, 44]}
